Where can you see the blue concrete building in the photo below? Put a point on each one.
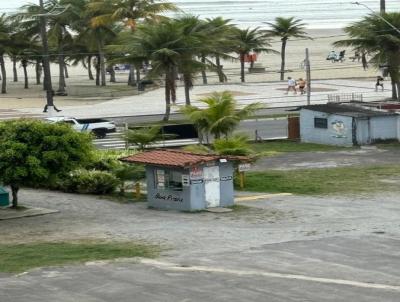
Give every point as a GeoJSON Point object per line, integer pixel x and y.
{"type": "Point", "coordinates": [347, 124]}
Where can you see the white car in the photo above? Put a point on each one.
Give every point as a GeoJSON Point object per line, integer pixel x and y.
{"type": "Point", "coordinates": [98, 127]}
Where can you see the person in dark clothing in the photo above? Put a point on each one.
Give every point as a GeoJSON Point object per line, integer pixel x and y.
{"type": "Point", "coordinates": [364, 60]}
{"type": "Point", "coordinates": [46, 107]}
{"type": "Point", "coordinates": [379, 81]}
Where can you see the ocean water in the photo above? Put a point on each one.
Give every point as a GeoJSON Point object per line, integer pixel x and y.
{"type": "Point", "coordinates": [317, 14]}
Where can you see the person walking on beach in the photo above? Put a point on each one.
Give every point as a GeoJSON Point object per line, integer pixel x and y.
{"type": "Point", "coordinates": [291, 85]}
{"type": "Point", "coordinates": [379, 81]}
{"type": "Point", "coordinates": [302, 85]}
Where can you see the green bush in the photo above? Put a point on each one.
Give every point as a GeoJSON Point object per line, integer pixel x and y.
{"type": "Point", "coordinates": [90, 182]}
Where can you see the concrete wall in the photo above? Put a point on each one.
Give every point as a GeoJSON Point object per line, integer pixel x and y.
{"type": "Point", "coordinates": [329, 136]}
{"type": "Point", "coordinates": [226, 183]}
{"type": "Point", "coordinates": [384, 127]}
{"type": "Point", "coordinates": [166, 198]}
{"type": "Point", "coordinates": [192, 197]}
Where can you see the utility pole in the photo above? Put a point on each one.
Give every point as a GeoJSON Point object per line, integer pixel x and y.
{"type": "Point", "coordinates": [308, 76]}
{"type": "Point", "coordinates": [383, 7]}
{"type": "Point", "coordinates": [46, 61]}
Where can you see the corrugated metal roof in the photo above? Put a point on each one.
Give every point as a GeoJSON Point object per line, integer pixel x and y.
{"type": "Point", "coordinates": [347, 110]}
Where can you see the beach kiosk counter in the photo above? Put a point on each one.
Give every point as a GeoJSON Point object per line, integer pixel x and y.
{"type": "Point", "coordinates": [187, 181]}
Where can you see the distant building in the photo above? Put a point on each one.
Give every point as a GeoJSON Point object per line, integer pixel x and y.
{"type": "Point", "coordinates": [347, 124]}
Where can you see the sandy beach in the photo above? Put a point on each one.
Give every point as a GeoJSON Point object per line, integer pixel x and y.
{"type": "Point", "coordinates": [82, 91]}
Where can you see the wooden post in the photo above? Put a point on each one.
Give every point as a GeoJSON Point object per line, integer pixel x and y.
{"type": "Point", "coordinates": [138, 193]}
{"type": "Point", "coordinates": [242, 180]}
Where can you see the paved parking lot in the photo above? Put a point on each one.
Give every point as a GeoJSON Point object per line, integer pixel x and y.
{"type": "Point", "coordinates": [283, 248]}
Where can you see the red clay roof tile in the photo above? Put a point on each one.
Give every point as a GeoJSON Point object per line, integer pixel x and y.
{"type": "Point", "coordinates": [171, 158]}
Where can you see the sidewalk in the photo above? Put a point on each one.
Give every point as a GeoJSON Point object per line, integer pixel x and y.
{"type": "Point", "coordinates": [272, 95]}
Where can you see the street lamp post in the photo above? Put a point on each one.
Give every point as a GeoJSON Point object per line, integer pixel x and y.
{"type": "Point", "coordinates": [46, 62]}
{"type": "Point", "coordinates": [378, 15]}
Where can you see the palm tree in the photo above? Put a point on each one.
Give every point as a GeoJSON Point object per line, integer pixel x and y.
{"type": "Point", "coordinates": [160, 43]}
{"type": "Point", "coordinates": [221, 115]}
{"type": "Point", "coordinates": [249, 40]}
{"type": "Point", "coordinates": [60, 38]}
{"type": "Point", "coordinates": [286, 28]}
{"type": "Point", "coordinates": [381, 41]}
{"type": "Point", "coordinates": [223, 43]}
{"type": "Point", "coordinates": [128, 11]}
{"type": "Point", "coordinates": [5, 39]}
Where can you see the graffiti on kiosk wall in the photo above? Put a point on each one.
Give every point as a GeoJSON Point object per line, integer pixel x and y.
{"type": "Point", "coordinates": [168, 197]}
{"type": "Point", "coordinates": [339, 129]}
{"type": "Point", "coordinates": [196, 173]}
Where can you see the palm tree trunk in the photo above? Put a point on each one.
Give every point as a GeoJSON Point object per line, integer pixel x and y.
{"type": "Point", "coordinates": [398, 90]}
{"type": "Point", "coordinates": [89, 67]}
{"type": "Point", "coordinates": [131, 77]}
{"type": "Point", "coordinates": [167, 97]}
{"type": "Point", "coordinates": [15, 74]}
{"type": "Point", "coordinates": [101, 62]}
{"type": "Point", "coordinates": [111, 71]}
{"type": "Point", "coordinates": [203, 71]}
{"type": "Point", "coordinates": [61, 69]}
{"type": "Point", "coordinates": [38, 71]}
{"type": "Point", "coordinates": [173, 90]}
{"type": "Point", "coordinates": [219, 69]}
{"type": "Point", "coordinates": [283, 59]}
{"type": "Point", "coordinates": [24, 66]}
{"type": "Point", "coordinates": [3, 75]}
{"type": "Point", "coordinates": [394, 90]}
{"type": "Point", "coordinates": [137, 74]}
{"type": "Point", "coordinates": [242, 76]}
{"type": "Point", "coordinates": [14, 192]}
{"type": "Point", "coordinates": [66, 71]}
{"type": "Point", "coordinates": [188, 85]}
{"type": "Point", "coordinates": [97, 71]}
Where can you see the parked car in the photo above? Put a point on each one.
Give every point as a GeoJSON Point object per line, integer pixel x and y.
{"type": "Point", "coordinates": [99, 127]}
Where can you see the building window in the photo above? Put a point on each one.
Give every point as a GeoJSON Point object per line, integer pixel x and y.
{"type": "Point", "coordinates": [168, 180]}
{"type": "Point", "coordinates": [320, 123]}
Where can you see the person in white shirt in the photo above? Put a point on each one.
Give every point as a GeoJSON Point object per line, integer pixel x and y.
{"type": "Point", "coordinates": [291, 85]}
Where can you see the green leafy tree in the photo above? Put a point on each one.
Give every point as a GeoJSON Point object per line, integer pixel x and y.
{"type": "Point", "coordinates": [34, 152]}
{"type": "Point", "coordinates": [221, 115]}
{"type": "Point", "coordinates": [250, 40]}
{"type": "Point", "coordinates": [286, 28]}
{"type": "Point", "coordinates": [381, 41]}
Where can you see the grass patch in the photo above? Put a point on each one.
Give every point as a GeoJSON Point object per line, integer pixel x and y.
{"type": "Point", "coordinates": [281, 146]}
{"type": "Point", "coordinates": [325, 181]}
{"type": "Point", "coordinates": [21, 257]}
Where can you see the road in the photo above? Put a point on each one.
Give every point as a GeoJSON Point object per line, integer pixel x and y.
{"type": "Point", "coordinates": [267, 128]}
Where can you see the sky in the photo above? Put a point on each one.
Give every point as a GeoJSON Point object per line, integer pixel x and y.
{"type": "Point", "coordinates": [9, 6]}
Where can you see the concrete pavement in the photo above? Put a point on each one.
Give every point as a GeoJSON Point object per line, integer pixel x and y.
{"type": "Point", "coordinates": [271, 95]}
{"type": "Point", "coordinates": [280, 249]}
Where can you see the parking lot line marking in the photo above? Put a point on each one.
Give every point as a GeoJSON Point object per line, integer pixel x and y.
{"type": "Point", "coordinates": [176, 267]}
{"type": "Point", "coordinates": [256, 197]}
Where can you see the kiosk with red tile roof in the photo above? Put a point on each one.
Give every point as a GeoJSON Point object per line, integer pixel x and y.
{"type": "Point", "coordinates": [187, 181]}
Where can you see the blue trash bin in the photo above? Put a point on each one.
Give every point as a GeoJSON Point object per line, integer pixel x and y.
{"type": "Point", "coordinates": [4, 198]}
